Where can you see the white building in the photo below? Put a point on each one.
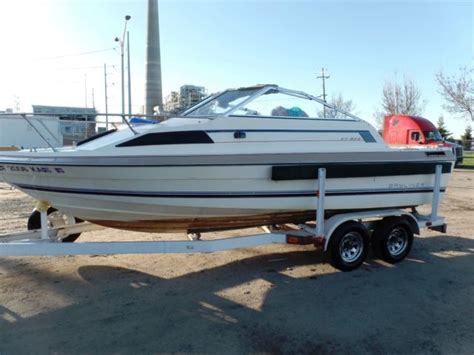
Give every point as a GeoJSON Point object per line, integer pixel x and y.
{"type": "Point", "coordinates": [17, 132]}
{"type": "Point", "coordinates": [77, 123]}
{"type": "Point", "coordinates": [172, 102]}
{"type": "Point", "coordinates": [188, 96]}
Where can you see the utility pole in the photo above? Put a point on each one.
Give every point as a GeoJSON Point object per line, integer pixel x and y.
{"type": "Point", "coordinates": [85, 87]}
{"type": "Point", "coordinates": [17, 103]}
{"type": "Point", "coordinates": [323, 77]}
{"type": "Point", "coordinates": [106, 103]}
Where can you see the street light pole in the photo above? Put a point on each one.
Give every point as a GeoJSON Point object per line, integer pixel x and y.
{"type": "Point", "coordinates": [123, 80]}
{"type": "Point", "coordinates": [122, 41]}
{"type": "Point", "coordinates": [129, 81]}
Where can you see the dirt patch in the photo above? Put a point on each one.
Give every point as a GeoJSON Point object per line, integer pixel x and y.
{"type": "Point", "coordinates": [266, 299]}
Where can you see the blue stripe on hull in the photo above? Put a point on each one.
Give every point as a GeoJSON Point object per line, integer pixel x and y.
{"type": "Point", "coordinates": [215, 194]}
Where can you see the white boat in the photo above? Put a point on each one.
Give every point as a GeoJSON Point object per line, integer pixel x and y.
{"type": "Point", "coordinates": [243, 157]}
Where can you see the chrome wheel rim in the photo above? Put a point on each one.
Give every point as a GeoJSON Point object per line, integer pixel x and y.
{"type": "Point", "coordinates": [397, 241]}
{"type": "Point", "coordinates": [351, 247]}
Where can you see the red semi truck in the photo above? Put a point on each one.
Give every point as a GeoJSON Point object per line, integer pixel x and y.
{"type": "Point", "coordinates": [404, 129]}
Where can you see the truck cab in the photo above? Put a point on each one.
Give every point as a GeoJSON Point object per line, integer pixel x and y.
{"type": "Point", "coordinates": [415, 130]}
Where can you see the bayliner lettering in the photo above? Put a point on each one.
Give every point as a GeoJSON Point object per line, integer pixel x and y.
{"type": "Point", "coordinates": [407, 186]}
{"type": "Point", "coordinates": [351, 139]}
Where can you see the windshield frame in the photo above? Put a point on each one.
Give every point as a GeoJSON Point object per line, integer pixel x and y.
{"type": "Point", "coordinates": [219, 94]}
{"type": "Point", "coordinates": [264, 90]}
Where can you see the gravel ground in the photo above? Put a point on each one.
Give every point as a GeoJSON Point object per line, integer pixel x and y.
{"type": "Point", "coordinates": [267, 299]}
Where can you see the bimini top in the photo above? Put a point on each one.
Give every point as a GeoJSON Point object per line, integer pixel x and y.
{"type": "Point", "coordinates": [266, 101]}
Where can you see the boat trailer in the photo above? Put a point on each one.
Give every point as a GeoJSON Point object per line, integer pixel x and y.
{"type": "Point", "coordinates": [345, 237]}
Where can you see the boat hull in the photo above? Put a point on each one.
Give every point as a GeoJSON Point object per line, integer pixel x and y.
{"type": "Point", "coordinates": [180, 198]}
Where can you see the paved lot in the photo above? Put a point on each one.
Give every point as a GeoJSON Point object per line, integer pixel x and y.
{"type": "Point", "coordinates": [267, 299]}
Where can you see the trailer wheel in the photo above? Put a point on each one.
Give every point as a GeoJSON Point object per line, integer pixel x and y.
{"type": "Point", "coordinates": [348, 246]}
{"type": "Point", "coordinates": [392, 239]}
{"type": "Point", "coordinates": [55, 218]}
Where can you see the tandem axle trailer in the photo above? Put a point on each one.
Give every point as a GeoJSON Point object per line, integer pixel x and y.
{"type": "Point", "coordinates": [344, 237]}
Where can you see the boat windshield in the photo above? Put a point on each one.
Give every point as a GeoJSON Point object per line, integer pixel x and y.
{"type": "Point", "coordinates": [268, 101]}
{"type": "Point", "coordinates": [223, 103]}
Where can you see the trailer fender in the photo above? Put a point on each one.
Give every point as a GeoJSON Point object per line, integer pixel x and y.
{"type": "Point", "coordinates": [413, 223]}
{"type": "Point", "coordinates": [332, 223]}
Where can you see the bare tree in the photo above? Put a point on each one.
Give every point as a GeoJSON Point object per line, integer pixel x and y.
{"type": "Point", "coordinates": [403, 99]}
{"type": "Point", "coordinates": [399, 98]}
{"type": "Point", "coordinates": [458, 92]}
{"type": "Point", "coordinates": [339, 103]}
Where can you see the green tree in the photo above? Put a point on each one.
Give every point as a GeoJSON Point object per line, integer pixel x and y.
{"type": "Point", "coordinates": [443, 130]}
{"type": "Point", "coordinates": [467, 138]}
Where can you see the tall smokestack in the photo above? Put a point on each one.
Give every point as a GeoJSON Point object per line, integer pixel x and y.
{"type": "Point", "coordinates": [153, 94]}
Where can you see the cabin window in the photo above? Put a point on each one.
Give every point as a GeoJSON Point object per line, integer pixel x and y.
{"type": "Point", "coordinates": [415, 136]}
{"type": "Point", "coordinates": [167, 138]}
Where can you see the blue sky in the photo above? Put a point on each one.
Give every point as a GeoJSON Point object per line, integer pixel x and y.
{"type": "Point", "coordinates": [220, 44]}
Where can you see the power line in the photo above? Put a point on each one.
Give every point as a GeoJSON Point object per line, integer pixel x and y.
{"type": "Point", "coordinates": [81, 68]}
{"type": "Point", "coordinates": [79, 54]}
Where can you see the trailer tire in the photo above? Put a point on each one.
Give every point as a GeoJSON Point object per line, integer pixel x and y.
{"type": "Point", "coordinates": [348, 246]}
{"type": "Point", "coordinates": [34, 222]}
{"type": "Point", "coordinates": [392, 239]}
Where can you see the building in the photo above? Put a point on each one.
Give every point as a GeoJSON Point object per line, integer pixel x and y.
{"type": "Point", "coordinates": [15, 131]}
{"type": "Point", "coordinates": [76, 123]}
{"type": "Point", "coordinates": [172, 104]}
{"type": "Point", "coordinates": [188, 96]}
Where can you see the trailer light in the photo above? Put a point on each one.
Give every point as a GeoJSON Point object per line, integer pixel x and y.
{"type": "Point", "coordinates": [292, 239]}
{"type": "Point", "coordinates": [319, 241]}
